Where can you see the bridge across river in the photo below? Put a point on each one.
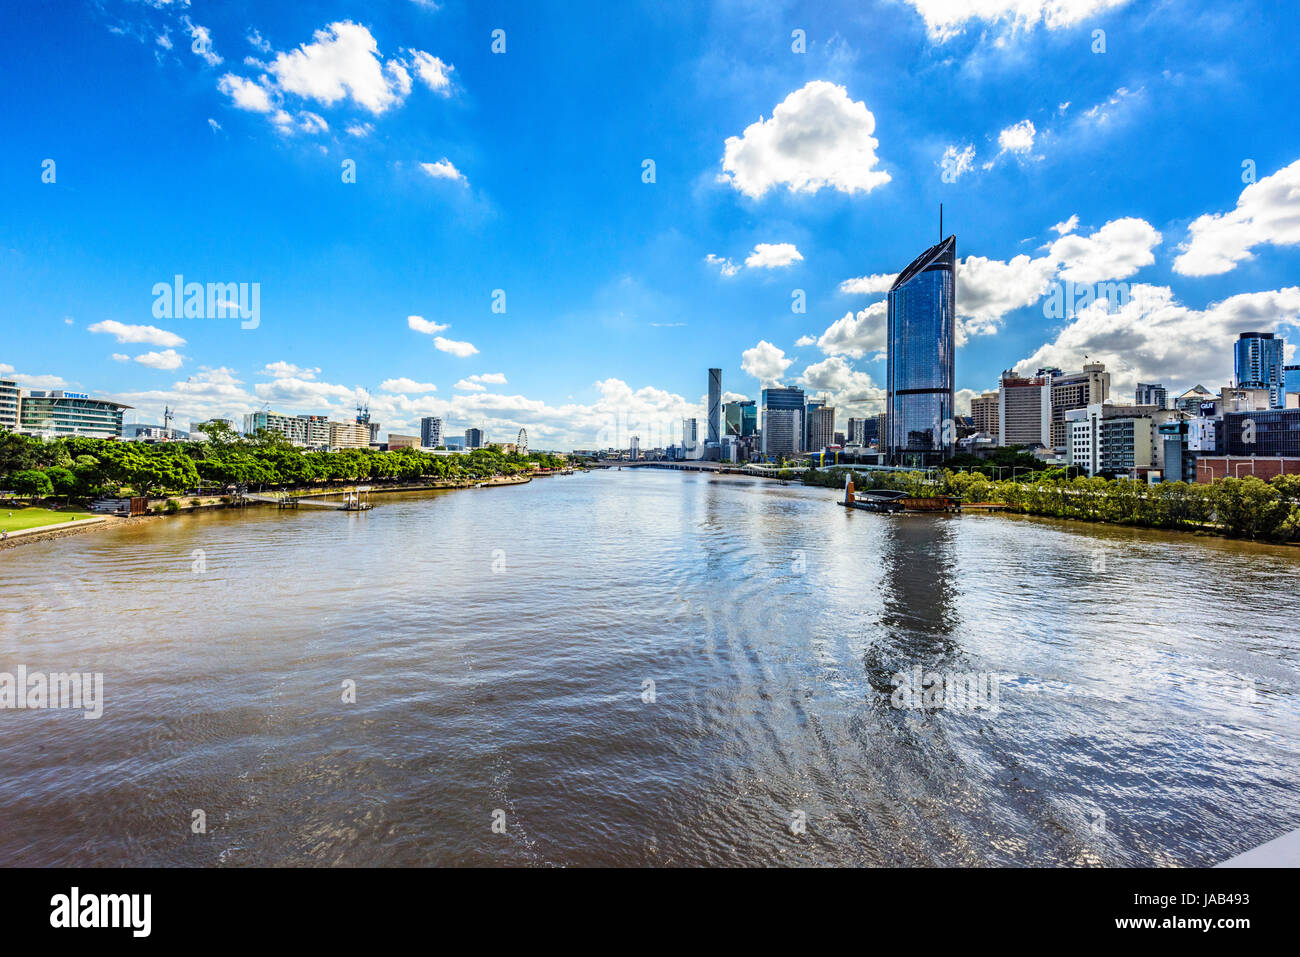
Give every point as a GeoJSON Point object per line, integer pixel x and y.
{"type": "Point", "coordinates": [725, 468]}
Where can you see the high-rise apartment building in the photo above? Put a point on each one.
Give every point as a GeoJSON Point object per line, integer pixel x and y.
{"type": "Point", "coordinates": [984, 413]}
{"type": "Point", "coordinates": [1151, 394]}
{"type": "Point", "coordinates": [1258, 363]}
{"type": "Point", "coordinates": [292, 427]}
{"type": "Point", "coordinates": [431, 431]}
{"type": "Point", "coordinates": [809, 410]}
{"type": "Point", "coordinates": [1025, 410]}
{"type": "Point", "coordinates": [309, 431]}
{"type": "Point", "coordinates": [474, 438]}
{"type": "Point", "coordinates": [821, 427]}
{"type": "Point", "coordinates": [319, 434]}
{"type": "Point", "coordinates": [863, 431]}
{"type": "Point", "coordinates": [690, 434]}
{"type": "Point", "coordinates": [9, 396]}
{"type": "Point", "coordinates": [349, 435]}
{"type": "Point", "coordinates": [921, 344]}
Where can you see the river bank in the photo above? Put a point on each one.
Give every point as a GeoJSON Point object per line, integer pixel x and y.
{"type": "Point", "coordinates": [213, 503]}
{"type": "Point", "coordinates": [1244, 508]}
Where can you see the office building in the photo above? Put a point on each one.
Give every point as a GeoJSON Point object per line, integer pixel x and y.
{"type": "Point", "coordinates": [1178, 462]}
{"type": "Point", "coordinates": [781, 432]}
{"type": "Point", "coordinates": [1291, 380]}
{"type": "Point", "coordinates": [715, 406]}
{"type": "Point", "coordinates": [474, 438]}
{"type": "Point", "coordinates": [1244, 399]}
{"type": "Point", "coordinates": [783, 400]}
{"type": "Point", "coordinates": [430, 432]}
{"type": "Point", "coordinates": [1116, 439]}
{"type": "Point", "coordinates": [57, 413]}
{"type": "Point", "coordinates": [396, 441]}
{"type": "Point", "coordinates": [9, 396]}
{"type": "Point", "coordinates": [1150, 394]}
{"type": "Point", "coordinates": [634, 448]}
{"type": "Point", "coordinates": [920, 341]}
{"type": "Point", "coordinates": [1205, 434]}
{"type": "Point", "coordinates": [1025, 410]}
{"type": "Point", "coordinates": [984, 413]}
{"type": "Point", "coordinates": [1190, 401]}
{"type": "Point", "coordinates": [1271, 432]}
{"type": "Point", "coordinates": [1258, 364]}
{"type": "Point", "coordinates": [1075, 390]}
{"type": "Point", "coordinates": [740, 418]}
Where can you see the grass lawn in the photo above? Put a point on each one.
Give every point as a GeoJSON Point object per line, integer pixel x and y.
{"type": "Point", "coordinates": [17, 519]}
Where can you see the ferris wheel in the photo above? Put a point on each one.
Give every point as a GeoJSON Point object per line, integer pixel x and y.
{"type": "Point", "coordinates": [522, 442]}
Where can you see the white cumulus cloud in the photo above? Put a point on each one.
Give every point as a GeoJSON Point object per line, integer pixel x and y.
{"type": "Point", "coordinates": [420, 324]}
{"type": "Point", "coordinates": [1067, 226]}
{"type": "Point", "coordinates": [1268, 211]}
{"type": "Point", "coordinates": [148, 335]}
{"type": "Point", "coordinates": [857, 334]}
{"type": "Point", "coordinates": [1154, 338]}
{"type": "Point", "coordinates": [816, 138]}
{"type": "Point", "coordinates": [765, 362]}
{"type": "Point", "coordinates": [945, 19]}
{"type": "Point", "coordinates": [877, 282]}
{"type": "Point", "coordinates": [407, 385]}
{"type": "Point", "coordinates": [1018, 138]}
{"type": "Point", "coordinates": [165, 359]}
{"type": "Point", "coordinates": [461, 349]}
{"type": "Point", "coordinates": [773, 256]}
{"type": "Point", "coordinates": [725, 266]}
{"type": "Point", "coordinates": [246, 94]}
{"type": "Point", "coordinates": [1116, 251]}
{"type": "Point", "coordinates": [443, 169]}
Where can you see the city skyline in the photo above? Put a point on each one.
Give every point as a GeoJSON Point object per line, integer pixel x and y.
{"type": "Point", "coordinates": [383, 289]}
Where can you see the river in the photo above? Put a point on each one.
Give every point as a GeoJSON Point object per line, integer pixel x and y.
{"type": "Point", "coordinates": [643, 667]}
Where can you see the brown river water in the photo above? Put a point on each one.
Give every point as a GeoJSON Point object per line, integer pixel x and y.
{"type": "Point", "coordinates": [644, 667]}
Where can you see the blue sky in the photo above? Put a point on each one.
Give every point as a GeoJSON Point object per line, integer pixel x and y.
{"type": "Point", "coordinates": [210, 140]}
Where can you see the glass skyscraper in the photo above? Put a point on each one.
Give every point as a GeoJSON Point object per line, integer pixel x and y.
{"type": "Point", "coordinates": [921, 341]}
{"type": "Point", "coordinates": [741, 418]}
{"type": "Point", "coordinates": [1259, 365]}
{"type": "Point", "coordinates": [715, 406]}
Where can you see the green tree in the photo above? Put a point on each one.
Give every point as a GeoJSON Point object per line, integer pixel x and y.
{"type": "Point", "coordinates": [32, 482]}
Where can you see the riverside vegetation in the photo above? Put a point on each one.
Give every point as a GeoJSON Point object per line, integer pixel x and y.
{"type": "Point", "coordinates": [81, 468]}
{"type": "Point", "coordinates": [1238, 507]}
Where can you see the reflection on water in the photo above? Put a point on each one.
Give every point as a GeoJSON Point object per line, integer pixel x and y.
{"type": "Point", "coordinates": [647, 668]}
